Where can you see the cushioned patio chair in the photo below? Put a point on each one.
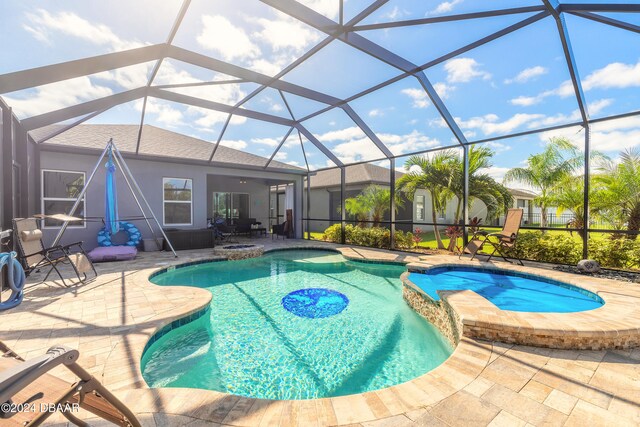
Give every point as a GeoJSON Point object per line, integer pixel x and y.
{"type": "Point", "coordinates": [33, 254]}
{"type": "Point", "coordinates": [29, 383]}
{"type": "Point", "coordinates": [505, 239]}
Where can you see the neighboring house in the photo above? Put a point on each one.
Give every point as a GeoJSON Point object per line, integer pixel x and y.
{"type": "Point", "coordinates": [325, 193]}
{"type": "Point", "coordinates": [173, 170]}
{"type": "Point", "coordinates": [523, 199]}
{"type": "Point", "coordinates": [325, 200]}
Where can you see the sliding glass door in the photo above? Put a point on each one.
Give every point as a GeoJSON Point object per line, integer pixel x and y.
{"type": "Point", "coordinates": [231, 206]}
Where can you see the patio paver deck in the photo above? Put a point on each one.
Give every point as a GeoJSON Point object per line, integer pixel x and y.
{"type": "Point", "coordinates": [483, 383]}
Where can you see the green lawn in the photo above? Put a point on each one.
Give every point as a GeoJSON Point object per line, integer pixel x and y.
{"type": "Point", "coordinates": [429, 240]}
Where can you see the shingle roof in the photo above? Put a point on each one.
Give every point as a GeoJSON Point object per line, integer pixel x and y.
{"type": "Point", "coordinates": [155, 142]}
{"type": "Point", "coordinates": [365, 173]}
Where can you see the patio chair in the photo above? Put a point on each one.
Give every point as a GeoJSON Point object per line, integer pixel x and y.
{"type": "Point", "coordinates": [228, 233]}
{"type": "Point", "coordinates": [29, 384]}
{"type": "Point", "coordinates": [33, 254]}
{"type": "Point", "coordinates": [505, 239]}
{"type": "Point", "coordinates": [280, 230]}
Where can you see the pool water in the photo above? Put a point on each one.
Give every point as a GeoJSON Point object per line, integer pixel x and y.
{"type": "Point", "coordinates": [508, 291]}
{"type": "Point", "coordinates": [295, 325]}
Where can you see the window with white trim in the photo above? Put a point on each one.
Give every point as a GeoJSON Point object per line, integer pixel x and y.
{"type": "Point", "coordinates": [59, 191]}
{"type": "Point", "coordinates": [177, 201]}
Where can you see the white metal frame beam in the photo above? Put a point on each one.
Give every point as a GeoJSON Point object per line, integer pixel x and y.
{"type": "Point", "coordinates": [553, 7]}
{"type": "Point", "coordinates": [77, 110]}
{"type": "Point", "coordinates": [33, 77]}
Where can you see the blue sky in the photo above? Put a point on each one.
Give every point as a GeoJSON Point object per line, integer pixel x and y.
{"type": "Point", "coordinates": [516, 83]}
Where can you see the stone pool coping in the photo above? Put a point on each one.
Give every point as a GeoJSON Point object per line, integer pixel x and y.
{"type": "Point", "coordinates": [616, 324]}
{"type": "Point", "coordinates": [461, 368]}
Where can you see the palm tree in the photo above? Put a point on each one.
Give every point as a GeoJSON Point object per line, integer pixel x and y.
{"type": "Point", "coordinates": [356, 207]}
{"type": "Point", "coordinates": [570, 196]}
{"type": "Point", "coordinates": [620, 184]}
{"type": "Point", "coordinates": [373, 202]}
{"type": "Point", "coordinates": [495, 196]}
{"type": "Point", "coordinates": [545, 170]}
{"type": "Point", "coordinates": [434, 175]}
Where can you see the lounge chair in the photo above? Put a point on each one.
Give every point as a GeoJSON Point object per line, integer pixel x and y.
{"type": "Point", "coordinates": [29, 384]}
{"type": "Point", "coordinates": [505, 239]}
{"type": "Point", "coordinates": [33, 255]}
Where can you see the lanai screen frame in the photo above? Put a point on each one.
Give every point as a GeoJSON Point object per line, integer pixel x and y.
{"type": "Point", "coordinates": [16, 135]}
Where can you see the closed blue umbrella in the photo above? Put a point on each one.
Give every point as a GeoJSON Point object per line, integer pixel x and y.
{"type": "Point", "coordinates": [112, 223]}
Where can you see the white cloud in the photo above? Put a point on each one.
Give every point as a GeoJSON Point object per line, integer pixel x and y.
{"type": "Point", "coordinates": [445, 7]}
{"type": "Point", "coordinates": [526, 101]}
{"type": "Point", "coordinates": [264, 66]}
{"type": "Point", "coordinates": [443, 89]}
{"type": "Point", "coordinates": [351, 145]}
{"type": "Point", "coordinates": [615, 75]}
{"type": "Point", "coordinates": [564, 90]}
{"type": "Point", "coordinates": [596, 107]}
{"type": "Point", "coordinates": [490, 124]}
{"type": "Point", "coordinates": [342, 134]}
{"type": "Point", "coordinates": [498, 147]}
{"type": "Point", "coordinates": [131, 77]}
{"type": "Point", "coordinates": [414, 141]}
{"type": "Point", "coordinates": [270, 142]}
{"type": "Point", "coordinates": [462, 70]}
{"type": "Point", "coordinates": [163, 112]}
{"type": "Point", "coordinates": [44, 26]}
{"type": "Point", "coordinates": [236, 144]}
{"type": "Point", "coordinates": [231, 42]}
{"type": "Point", "coordinates": [395, 14]}
{"type": "Point", "coordinates": [329, 8]}
{"type": "Point", "coordinates": [41, 24]}
{"type": "Point", "coordinates": [610, 137]}
{"type": "Point", "coordinates": [54, 96]}
{"type": "Point", "coordinates": [286, 33]}
{"type": "Point", "coordinates": [419, 97]}
{"type": "Point", "coordinates": [528, 74]}
{"type": "Point", "coordinates": [376, 112]}
{"type": "Point", "coordinates": [593, 107]}
{"type": "Point", "coordinates": [495, 172]}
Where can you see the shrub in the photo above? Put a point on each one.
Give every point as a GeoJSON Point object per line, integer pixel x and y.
{"type": "Point", "coordinates": [614, 252]}
{"type": "Point", "coordinates": [406, 240]}
{"type": "Point", "coordinates": [373, 237]}
{"type": "Point", "coordinates": [547, 247]}
{"type": "Point", "coordinates": [332, 234]}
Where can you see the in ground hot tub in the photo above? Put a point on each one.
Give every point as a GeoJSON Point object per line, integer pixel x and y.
{"type": "Point", "coordinates": [508, 290]}
{"type": "Point", "coordinates": [239, 251]}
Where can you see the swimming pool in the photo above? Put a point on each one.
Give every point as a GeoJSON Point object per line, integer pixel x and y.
{"type": "Point", "coordinates": [295, 325]}
{"type": "Point", "coordinates": [508, 290]}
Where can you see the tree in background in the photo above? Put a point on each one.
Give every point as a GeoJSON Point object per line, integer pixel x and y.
{"type": "Point", "coordinates": [371, 204]}
{"type": "Point", "coordinates": [569, 196]}
{"type": "Point", "coordinates": [431, 173]}
{"type": "Point", "coordinates": [495, 196]}
{"type": "Point", "coordinates": [618, 183]}
{"type": "Point", "coordinates": [546, 170]}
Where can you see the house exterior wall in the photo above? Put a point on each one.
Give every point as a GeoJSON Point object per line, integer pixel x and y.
{"type": "Point", "coordinates": [149, 174]}
{"type": "Point", "coordinates": [319, 209]}
{"type": "Point", "coordinates": [477, 208]}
